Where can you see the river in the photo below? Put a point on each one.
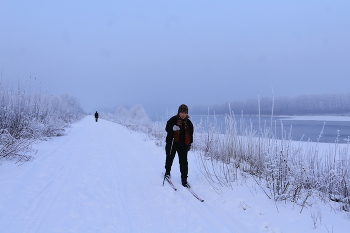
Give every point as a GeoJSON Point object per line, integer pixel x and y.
{"type": "Point", "coordinates": [328, 129]}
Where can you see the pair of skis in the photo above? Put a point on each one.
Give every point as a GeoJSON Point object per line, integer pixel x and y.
{"type": "Point", "coordinates": [166, 178]}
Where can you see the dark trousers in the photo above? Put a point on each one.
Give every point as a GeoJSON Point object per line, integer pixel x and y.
{"type": "Point", "coordinates": [96, 119]}
{"type": "Point", "coordinates": [182, 154]}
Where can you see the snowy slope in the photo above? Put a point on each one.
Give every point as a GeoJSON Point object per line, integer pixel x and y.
{"type": "Point", "coordinates": [103, 178]}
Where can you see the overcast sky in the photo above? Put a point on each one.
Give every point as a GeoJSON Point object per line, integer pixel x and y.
{"type": "Point", "coordinates": [164, 53]}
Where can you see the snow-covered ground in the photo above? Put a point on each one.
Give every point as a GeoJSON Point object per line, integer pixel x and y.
{"type": "Point", "coordinates": [101, 177]}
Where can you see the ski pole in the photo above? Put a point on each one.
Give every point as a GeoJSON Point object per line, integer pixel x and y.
{"type": "Point", "coordinates": [171, 148]}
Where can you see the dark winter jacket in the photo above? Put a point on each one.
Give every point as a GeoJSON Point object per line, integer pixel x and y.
{"type": "Point", "coordinates": [96, 114]}
{"type": "Point", "coordinates": [169, 128]}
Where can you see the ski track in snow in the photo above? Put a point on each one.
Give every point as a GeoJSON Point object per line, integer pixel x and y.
{"type": "Point", "coordinates": [100, 177]}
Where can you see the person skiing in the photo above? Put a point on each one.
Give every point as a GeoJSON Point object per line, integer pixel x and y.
{"type": "Point", "coordinates": [96, 116]}
{"type": "Point", "coordinates": [179, 139]}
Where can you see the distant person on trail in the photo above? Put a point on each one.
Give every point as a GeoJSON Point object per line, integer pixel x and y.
{"type": "Point", "coordinates": [179, 139]}
{"type": "Point", "coordinates": [96, 116]}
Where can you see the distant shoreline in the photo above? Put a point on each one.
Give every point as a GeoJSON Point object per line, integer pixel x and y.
{"type": "Point", "coordinates": [318, 118]}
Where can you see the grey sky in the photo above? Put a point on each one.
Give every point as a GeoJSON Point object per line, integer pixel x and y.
{"type": "Point", "coordinates": [164, 53]}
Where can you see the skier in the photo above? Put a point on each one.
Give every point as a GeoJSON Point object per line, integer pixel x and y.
{"type": "Point", "coordinates": [96, 116]}
{"type": "Point", "coordinates": [179, 139]}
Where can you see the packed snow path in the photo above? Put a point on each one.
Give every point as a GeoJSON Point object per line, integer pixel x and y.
{"type": "Point", "coordinates": [101, 177]}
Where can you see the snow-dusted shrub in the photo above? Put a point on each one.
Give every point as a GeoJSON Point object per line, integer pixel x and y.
{"type": "Point", "coordinates": [284, 169]}
{"type": "Point", "coordinates": [158, 133]}
{"type": "Point", "coordinates": [134, 118]}
{"type": "Point", "coordinates": [27, 115]}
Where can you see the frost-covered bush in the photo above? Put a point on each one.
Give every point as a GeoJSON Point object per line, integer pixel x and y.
{"type": "Point", "coordinates": [135, 118]}
{"type": "Point", "coordinates": [27, 115]}
{"type": "Point", "coordinates": [284, 169]}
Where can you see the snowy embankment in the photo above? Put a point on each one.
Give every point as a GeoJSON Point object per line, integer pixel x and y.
{"type": "Point", "coordinates": [101, 177]}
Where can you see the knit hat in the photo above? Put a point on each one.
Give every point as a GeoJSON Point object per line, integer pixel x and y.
{"type": "Point", "coordinates": [183, 108]}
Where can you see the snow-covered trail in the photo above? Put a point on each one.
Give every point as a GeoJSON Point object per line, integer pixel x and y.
{"type": "Point", "coordinates": [102, 178]}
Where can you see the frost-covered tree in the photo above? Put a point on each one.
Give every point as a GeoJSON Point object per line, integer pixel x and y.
{"type": "Point", "coordinates": [27, 115]}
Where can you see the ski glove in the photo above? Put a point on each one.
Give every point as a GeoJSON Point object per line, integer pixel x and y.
{"type": "Point", "coordinates": [176, 128]}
